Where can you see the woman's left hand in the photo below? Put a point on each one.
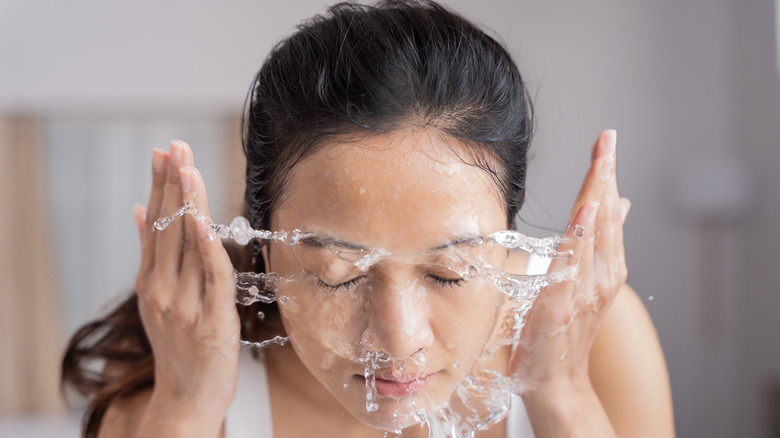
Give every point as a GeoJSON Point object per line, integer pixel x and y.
{"type": "Point", "coordinates": [551, 361]}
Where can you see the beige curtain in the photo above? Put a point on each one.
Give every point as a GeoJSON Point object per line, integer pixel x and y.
{"type": "Point", "coordinates": [30, 342]}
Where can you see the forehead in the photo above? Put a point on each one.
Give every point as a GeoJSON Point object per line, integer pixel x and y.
{"type": "Point", "coordinates": [393, 190]}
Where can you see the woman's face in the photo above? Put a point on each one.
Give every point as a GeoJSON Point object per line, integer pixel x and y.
{"type": "Point", "coordinates": [403, 197]}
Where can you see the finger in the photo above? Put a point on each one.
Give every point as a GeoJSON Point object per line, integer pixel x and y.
{"type": "Point", "coordinates": [169, 241]}
{"type": "Point", "coordinates": [615, 213]}
{"type": "Point", "coordinates": [191, 271]}
{"type": "Point", "coordinates": [579, 238]}
{"type": "Point", "coordinates": [609, 262]}
{"type": "Point", "coordinates": [220, 295]}
{"type": "Point", "coordinates": [199, 196]}
{"type": "Point", "coordinates": [194, 191]}
{"type": "Point", "coordinates": [604, 257]}
{"type": "Point", "coordinates": [139, 215]}
{"type": "Point", "coordinates": [605, 144]}
{"type": "Point", "coordinates": [599, 171]}
{"type": "Point", "coordinates": [593, 185]}
{"type": "Point", "coordinates": [160, 160]}
{"type": "Point", "coordinates": [559, 297]}
{"type": "Point", "coordinates": [610, 148]}
{"type": "Point", "coordinates": [625, 206]}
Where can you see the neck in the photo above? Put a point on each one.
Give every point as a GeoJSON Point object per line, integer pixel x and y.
{"type": "Point", "coordinates": [302, 406]}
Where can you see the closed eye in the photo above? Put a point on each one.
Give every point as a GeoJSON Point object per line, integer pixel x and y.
{"type": "Point", "coordinates": [334, 287]}
{"type": "Point", "coordinates": [451, 282]}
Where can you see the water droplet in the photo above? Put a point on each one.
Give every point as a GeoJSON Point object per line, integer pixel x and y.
{"type": "Point", "coordinates": [284, 299]}
{"type": "Point", "coordinates": [457, 364]}
{"type": "Point", "coordinates": [222, 231]}
{"type": "Point", "coordinates": [239, 229]}
{"type": "Point", "coordinates": [419, 358]}
{"type": "Point", "coordinates": [162, 223]}
{"type": "Point", "coordinates": [579, 230]}
{"type": "Point", "coordinates": [651, 298]}
{"type": "Point", "coordinates": [346, 385]}
{"type": "Point", "coordinates": [260, 316]}
{"type": "Point", "coordinates": [280, 340]}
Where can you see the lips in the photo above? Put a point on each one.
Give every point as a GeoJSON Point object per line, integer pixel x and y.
{"type": "Point", "coordinates": [390, 387]}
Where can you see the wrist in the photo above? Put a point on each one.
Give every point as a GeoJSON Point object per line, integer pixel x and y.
{"type": "Point", "coordinates": [180, 417]}
{"type": "Point", "coordinates": [567, 407]}
{"type": "Point", "coordinates": [557, 389]}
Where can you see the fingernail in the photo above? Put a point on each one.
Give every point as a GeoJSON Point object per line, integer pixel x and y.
{"type": "Point", "coordinates": [185, 174]}
{"type": "Point", "coordinates": [611, 145]}
{"type": "Point", "coordinates": [158, 160]}
{"type": "Point", "coordinates": [176, 153]}
{"type": "Point", "coordinates": [605, 169]}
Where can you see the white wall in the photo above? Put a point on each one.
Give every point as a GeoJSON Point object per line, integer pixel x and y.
{"type": "Point", "coordinates": [680, 80]}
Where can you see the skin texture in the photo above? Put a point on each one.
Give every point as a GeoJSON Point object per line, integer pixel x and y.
{"type": "Point", "coordinates": [603, 375]}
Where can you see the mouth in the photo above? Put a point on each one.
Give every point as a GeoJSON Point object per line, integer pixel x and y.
{"type": "Point", "coordinates": [393, 388]}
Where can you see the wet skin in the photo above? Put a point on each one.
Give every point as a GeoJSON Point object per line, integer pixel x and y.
{"type": "Point", "coordinates": [406, 193]}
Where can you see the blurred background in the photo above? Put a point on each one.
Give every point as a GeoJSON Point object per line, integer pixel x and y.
{"type": "Point", "coordinates": [88, 88]}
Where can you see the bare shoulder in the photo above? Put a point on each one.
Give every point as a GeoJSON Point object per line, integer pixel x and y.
{"type": "Point", "coordinates": [628, 370]}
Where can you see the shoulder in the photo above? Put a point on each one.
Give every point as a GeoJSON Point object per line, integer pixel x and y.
{"type": "Point", "coordinates": [628, 370]}
{"type": "Point", "coordinates": [124, 415]}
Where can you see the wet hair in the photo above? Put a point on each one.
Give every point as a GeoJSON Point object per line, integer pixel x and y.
{"type": "Point", "coordinates": [361, 69]}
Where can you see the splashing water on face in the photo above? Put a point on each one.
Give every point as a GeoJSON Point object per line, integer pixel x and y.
{"type": "Point", "coordinates": [483, 397]}
{"type": "Point", "coordinates": [372, 360]}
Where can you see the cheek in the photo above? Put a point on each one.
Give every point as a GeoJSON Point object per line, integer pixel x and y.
{"type": "Point", "coordinates": [464, 325]}
{"type": "Point", "coordinates": [323, 325]}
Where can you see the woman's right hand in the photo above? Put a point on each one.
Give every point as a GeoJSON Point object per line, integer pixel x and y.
{"type": "Point", "coordinates": [186, 299]}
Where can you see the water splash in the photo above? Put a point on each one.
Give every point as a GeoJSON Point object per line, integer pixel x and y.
{"type": "Point", "coordinates": [543, 247]}
{"type": "Point", "coordinates": [279, 340]}
{"type": "Point", "coordinates": [253, 287]}
{"type": "Point", "coordinates": [372, 360]}
{"type": "Point", "coordinates": [239, 230]}
{"type": "Point", "coordinates": [484, 396]}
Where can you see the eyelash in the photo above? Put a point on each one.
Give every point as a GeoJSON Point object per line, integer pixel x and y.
{"type": "Point", "coordinates": [451, 282]}
{"type": "Point", "coordinates": [346, 285]}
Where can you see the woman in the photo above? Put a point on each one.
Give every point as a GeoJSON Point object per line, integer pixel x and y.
{"type": "Point", "coordinates": [398, 130]}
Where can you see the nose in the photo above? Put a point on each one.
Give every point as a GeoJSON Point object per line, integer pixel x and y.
{"type": "Point", "coordinates": [398, 321]}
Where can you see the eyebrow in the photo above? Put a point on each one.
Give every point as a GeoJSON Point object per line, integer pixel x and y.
{"type": "Point", "coordinates": [325, 240]}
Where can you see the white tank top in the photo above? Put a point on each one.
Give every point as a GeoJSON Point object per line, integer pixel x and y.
{"type": "Point", "coordinates": [250, 414]}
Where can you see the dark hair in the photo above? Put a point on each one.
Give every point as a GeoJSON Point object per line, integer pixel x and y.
{"type": "Point", "coordinates": [358, 69]}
